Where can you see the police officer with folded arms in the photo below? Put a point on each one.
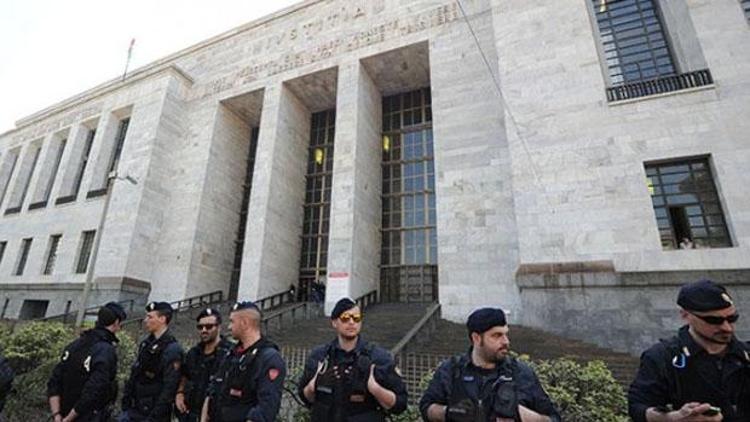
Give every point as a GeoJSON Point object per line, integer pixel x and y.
{"type": "Point", "coordinates": [350, 379]}
{"type": "Point", "coordinates": [486, 384]}
{"type": "Point", "coordinates": [150, 391]}
{"type": "Point", "coordinates": [250, 379]}
{"type": "Point", "coordinates": [200, 363]}
{"type": "Point", "coordinates": [83, 384]}
{"type": "Point", "coordinates": [701, 374]}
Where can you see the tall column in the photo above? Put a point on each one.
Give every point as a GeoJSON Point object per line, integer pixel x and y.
{"type": "Point", "coordinates": [476, 224]}
{"type": "Point", "coordinates": [354, 240]}
{"type": "Point", "coordinates": [272, 241]}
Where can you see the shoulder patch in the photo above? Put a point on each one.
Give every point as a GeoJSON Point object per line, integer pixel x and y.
{"type": "Point", "coordinates": [273, 373]}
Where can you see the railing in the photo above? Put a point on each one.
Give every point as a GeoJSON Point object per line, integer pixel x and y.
{"type": "Point", "coordinates": [273, 300]}
{"type": "Point", "coordinates": [189, 303]}
{"type": "Point", "coordinates": [660, 85]}
{"type": "Point", "coordinates": [67, 317]}
{"type": "Point", "coordinates": [289, 315]}
{"type": "Point", "coordinates": [422, 329]}
{"type": "Point", "coordinates": [367, 299]}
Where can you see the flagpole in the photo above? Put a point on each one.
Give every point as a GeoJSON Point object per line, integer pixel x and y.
{"type": "Point", "coordinates": [127, 62]}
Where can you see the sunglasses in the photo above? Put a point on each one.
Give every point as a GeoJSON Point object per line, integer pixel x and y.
{"type": "Point", "coordinates": [201, 327]}
{"type": "Point", "coordinates": [717, 320]}
{"type": "Point", "coordinates": [350, 317]}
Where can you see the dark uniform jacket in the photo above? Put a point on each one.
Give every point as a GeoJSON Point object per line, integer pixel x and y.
{"type": "Point", "coordinates": [458, 380]}
{"type": "Point", "coordinates": [679, 371]}
{"type": "Point", "coordinates": [341, 389]}
{"type": "Point", "coordinates": [154, 378]}
{"type": "Point", "coordinates": [248, 384]}
{"type": "Point", "coordinates": [198, 368]}
{"type": "Point", "coordinates": [85, 376]}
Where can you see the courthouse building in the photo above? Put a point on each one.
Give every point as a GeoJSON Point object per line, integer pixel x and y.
{"type": "Point", "coordinates": [572, 161]}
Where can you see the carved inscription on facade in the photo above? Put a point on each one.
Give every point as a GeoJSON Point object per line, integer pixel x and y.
{"type": "Point", "coordinates": [372, 35]}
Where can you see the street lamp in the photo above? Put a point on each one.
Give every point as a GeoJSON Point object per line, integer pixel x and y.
{"type": "Point", "coordinates": [111, 178]}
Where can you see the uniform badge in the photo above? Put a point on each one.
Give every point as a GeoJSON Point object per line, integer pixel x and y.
{"type": "Point", "coordinates": [357, 398]}
{"type": "Point", "coordinates": [235, 392]}
{"type": "Point", "coordinates": [398, 371]}
{"type": "Point", "coordinates": [727, 299]}
{"type": "Point", "coordinates": [273, 373]}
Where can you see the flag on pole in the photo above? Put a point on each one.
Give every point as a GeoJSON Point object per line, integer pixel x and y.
{"type": "Point", "coordinates": [127, 62]}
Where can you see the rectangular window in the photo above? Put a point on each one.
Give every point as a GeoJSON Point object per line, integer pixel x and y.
{"type": "Point", "coordinates": [6, 172]}
{"type": "Point", "coordinates": [27, 182]}
{"type": "Point", "coordinates": [686, 203]}
{"type": "Point", "coordinates": [33, 309]}
{"type": "Point", "coordinates": [3, 245]}
{"type": "Point", "coordinates": [317, 207]}
{"type": "Point", "coordinates": [409, 226]}
{"type": "Point", "coordinates": [87, 243]}
{"type": "Point", "coordinates": [122, 131]}
{"type": "Point", "coordinates": [54, 243]}
{"type": "Point", "coordinates": [55, 168]}
{"type": "Point", "coordinates": [746, 8]}
{"type": "Point", "coordinates": [633, 39]}
{"type": "Point", "coordinates": [23, 256]}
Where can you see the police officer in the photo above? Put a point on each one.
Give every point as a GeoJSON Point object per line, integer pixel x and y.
{"type": "Point", "coordinates": [703, 373]}
{"type": "Point", "coordinates": [486, 384]}
{"type": "Point", "coordinates": [201, 362]}
{"type": "Point", "coordinates": [250, 378]}
{"type": "Point", "coordinates": [83, 384]}
{"type": "Point", "coordinates": [350, 379]}
{"type": "Point", "coordinates": [155, 374]}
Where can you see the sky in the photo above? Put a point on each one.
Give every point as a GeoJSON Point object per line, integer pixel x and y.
{"type": "Point", "coordinates": [51, 50]}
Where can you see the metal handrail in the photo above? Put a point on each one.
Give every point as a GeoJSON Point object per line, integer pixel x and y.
{"type": "Point", "coordinates": [189, 303]}
{"type": "Point", "coordinates": [307, 309]}
{"type": "Point", "coordinates": [273, 300]}
{"type": "Point", "coordinates": [126, 304]}
{"type": "Point", "coordinates": [660, 85]}
{"type": "Point", "coordinates": [427, 322]}
{"type": "Point", "coordinates": [367, 299]}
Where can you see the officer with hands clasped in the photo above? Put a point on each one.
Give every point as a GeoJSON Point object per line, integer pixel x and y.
{"type": "Point", "coordinates": [349, 379]}
{"type": "Point", "coordinates": [703, 373]}
{"type": "Point", "coordinates": [250, 379]}
{"type": "Point", "coordinates": [150, 391]}
{"type": "Point", "coordinates": [486, 384]}
{"type": "Point", "coordinates": [201, 362]}
{"type": "Point", "coordinates": [83, 384]}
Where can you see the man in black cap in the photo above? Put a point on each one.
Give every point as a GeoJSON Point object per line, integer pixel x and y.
{"type": "Point", "coordinates": [486, 384]}
{"type": "Point", "coordinates": [703, 373]}
{"type": "Point", "coordinates": [201, 362]}
{"type": "Point", "coordinates": [150, 390]}
{"type": "Point", "coordinates": [250, 379]}
{"type": "Point", "coordinates": [83, 386]}
{"type": "Point", "coordinates": [350, 379]}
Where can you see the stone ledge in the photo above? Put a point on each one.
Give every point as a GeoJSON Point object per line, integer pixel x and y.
{"type": "Point", "coordinates": [125, 284]}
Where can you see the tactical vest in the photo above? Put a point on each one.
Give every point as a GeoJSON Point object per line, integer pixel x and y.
{"type": "Point", "coordinates": [201, 367]}
{"type": "Point", "coordinates": [149, 373]}
{"type": "Point", "coordinates": [237, 378]}
{"type": "Point", "coordinates": [76, 369]}
{"type": "Point", "coordinates": [688, 385]}
{"type": "Point", "coordinates": [341, 390]}
{"type": "Point", "coordinates": [465, 408]}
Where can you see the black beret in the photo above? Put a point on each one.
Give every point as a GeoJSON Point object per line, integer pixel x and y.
{"type": "Point", "coordinates": [483, 319]}
{"type": "Point", "coordinates": [209, 312]}
{"type": "Point", "coordinates": [342, 306]}
{"type": "Point", "coordinates": [163, 308]}
{"type": "Point", "coordinates": [704, 296]}
{"type": "Point", "coordinates": [109, 313]}
{"type": "Point", "coordinates": [241, 306]}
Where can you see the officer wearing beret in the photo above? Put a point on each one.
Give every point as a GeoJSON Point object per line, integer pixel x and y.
{"type": "Point", "coordinates": [350, 379]}
{"type": "Point", "coordinates": [250, 379]}
{"type": "Point", "coordinates": [82, 386]}
{"type": "Point", "coordinates": [486, 384]}
{"type": "Point", "coordinates": [150, 390]}
{"type": "Point", "coordinates": [701, 374]}
{"type": "Point", "coordinates": [201, 361]}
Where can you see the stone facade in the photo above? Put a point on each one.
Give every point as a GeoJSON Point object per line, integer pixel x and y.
{"type": "Point", "coordinates": [533, 165]}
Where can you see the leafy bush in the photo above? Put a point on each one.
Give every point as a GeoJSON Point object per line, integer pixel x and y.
{"type": "Point", "coordinates": [582, 392]}
{"type": "Point", "coordinates": [34, 350]}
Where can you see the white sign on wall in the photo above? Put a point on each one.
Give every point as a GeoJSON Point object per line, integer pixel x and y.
{"type": "Point", "coordinates": [337, 287]}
